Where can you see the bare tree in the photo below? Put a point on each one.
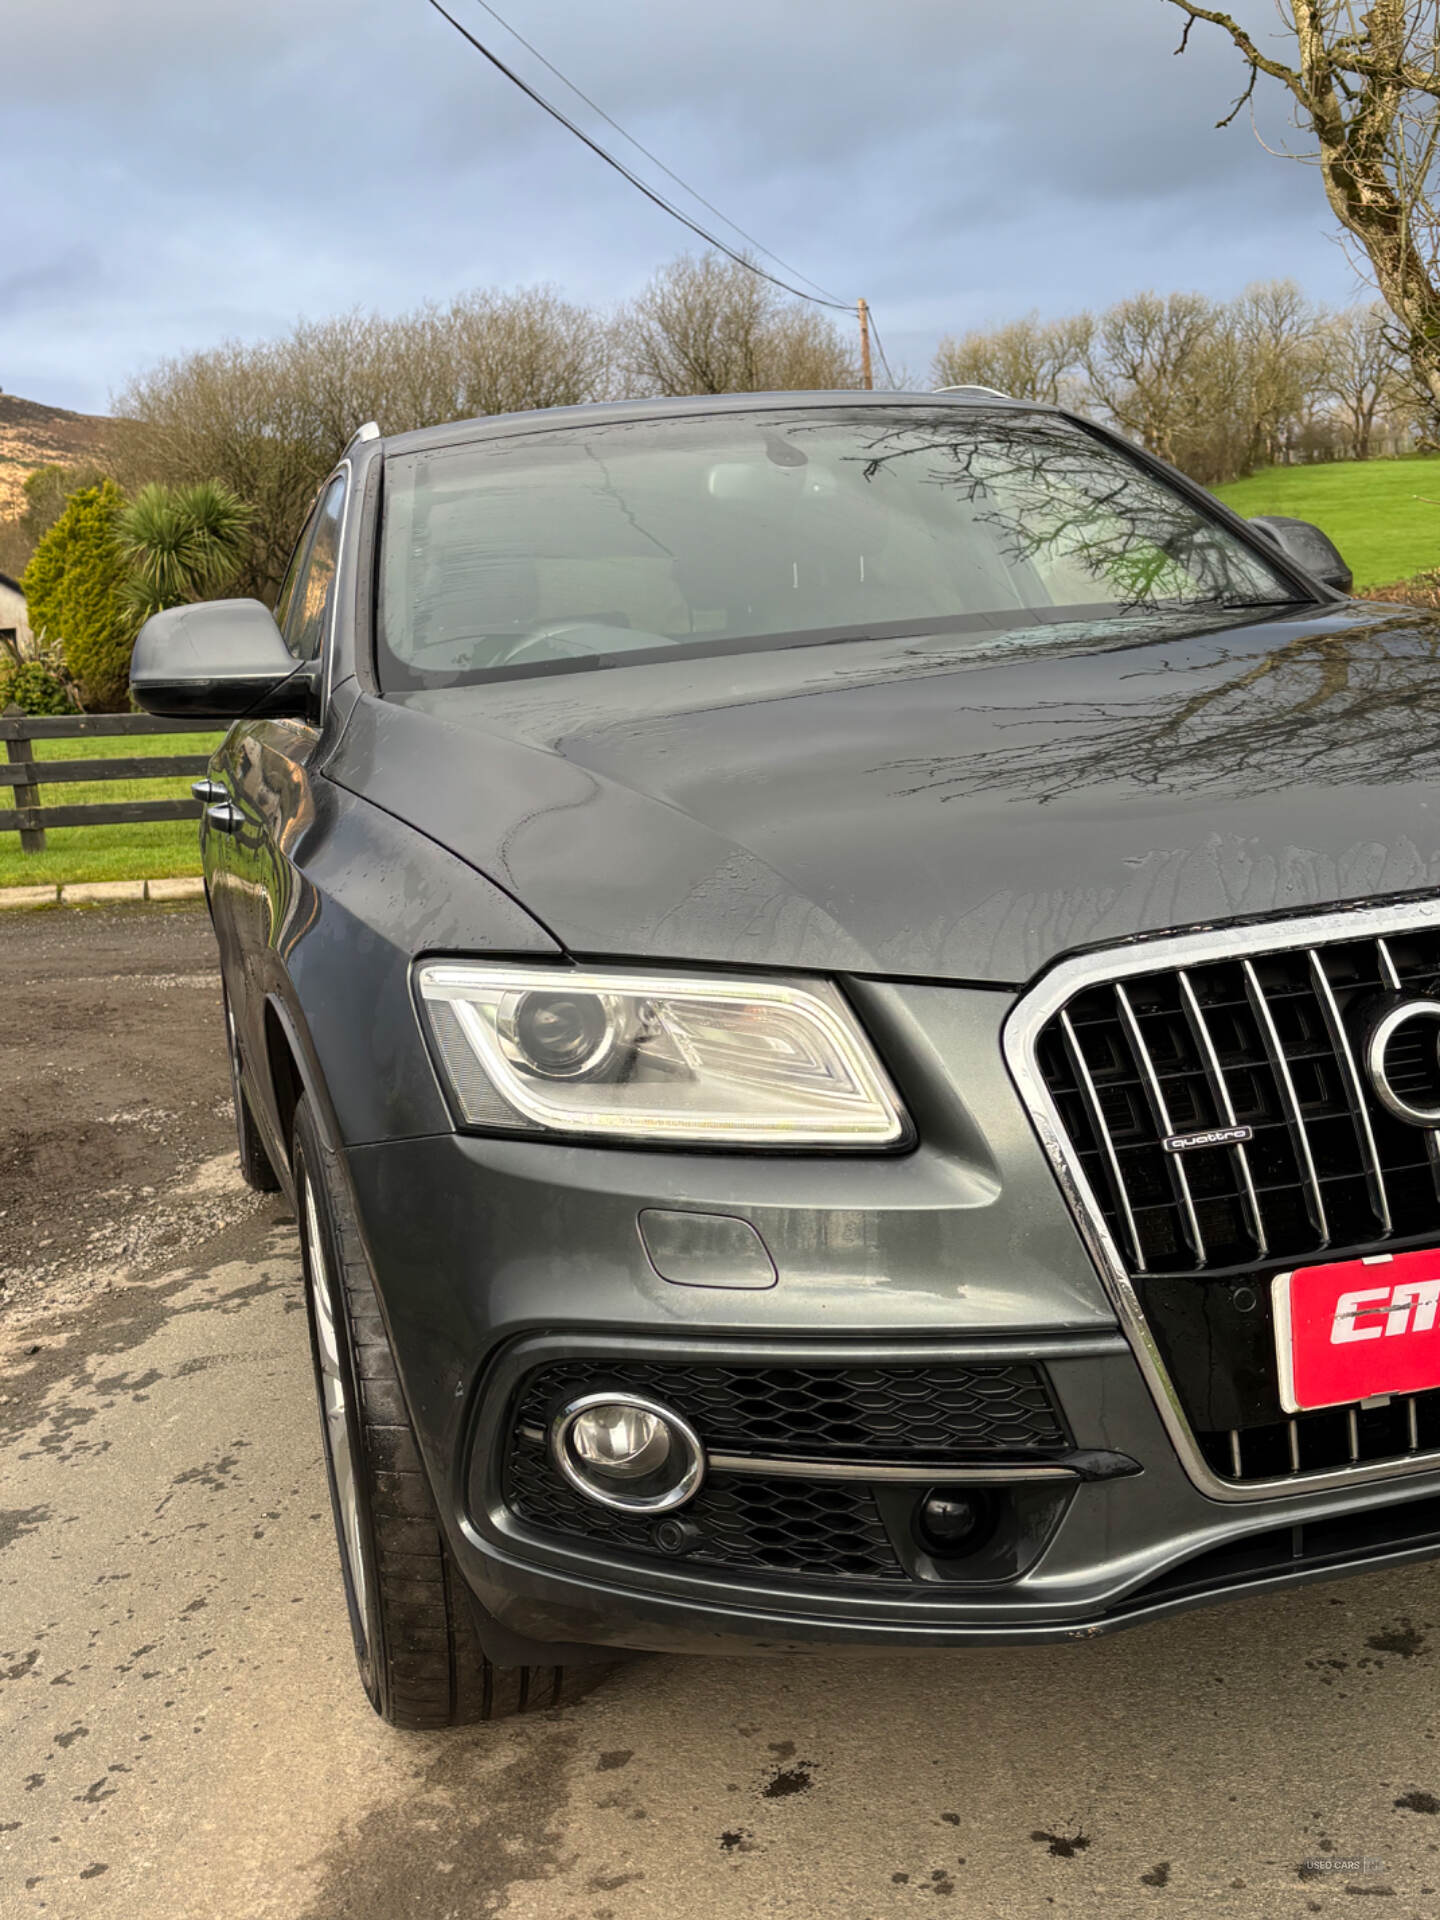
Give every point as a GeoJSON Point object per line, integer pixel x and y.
{"type": "Point", "coordinates": [1218, 388]}
{"type": "Point", "coordinates": [1365, 84]}
{"type": "Point", "coordinates": [709, 325]}
{"type": "Point", "coordinates": [269, 421]}
{"type": "Point", "coordinates": [1030, 359]}
{"type": "Point", "coordinates": [1279, 333]}
{"type": "Point", "coordinates": [1142, 366]}
{"type": "Point", "coordinates": [526, 349]}
{"type": "Point", "coordinates": [1360, 374]}
{"type": "Point", "coordinates": [244, 416]}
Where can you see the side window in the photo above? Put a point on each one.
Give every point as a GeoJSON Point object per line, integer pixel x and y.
{"type": "Point", "coordinates": [304, 608]}
{"type": "Point", "coordinates": [292, 573]}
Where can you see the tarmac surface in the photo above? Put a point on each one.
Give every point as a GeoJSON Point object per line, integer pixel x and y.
{"type": "Point", "coordinates": [182, 1734]}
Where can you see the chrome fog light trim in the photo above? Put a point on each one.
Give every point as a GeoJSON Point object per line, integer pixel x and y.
{"type": "Point", "coordinates": [652, 1478]}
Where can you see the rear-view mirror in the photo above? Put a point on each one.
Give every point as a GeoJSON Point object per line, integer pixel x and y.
{"type": "Point", "coordinates": [1308, 547]}
{"type": "Point", "coordinates": [218, 659]}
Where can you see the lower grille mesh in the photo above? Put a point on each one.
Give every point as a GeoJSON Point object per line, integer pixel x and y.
{"type": "Point", "coordinates": [780, 1526]}
{"type": "Point", "coordinates": [865, 1414]}
{"type": "Point", "coordinates": [861, 1412]}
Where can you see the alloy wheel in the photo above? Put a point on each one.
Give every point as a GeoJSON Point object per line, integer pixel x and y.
{"type": "Point", "coordinates": [232, 1046]}
{"type": "Point", "coordinates": [337, 1415]}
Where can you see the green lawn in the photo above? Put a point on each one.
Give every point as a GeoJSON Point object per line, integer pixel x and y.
{"type": "Point", "coordinates": [1384, 515]}
{"type": "Point", "coordinates": [156, 850]}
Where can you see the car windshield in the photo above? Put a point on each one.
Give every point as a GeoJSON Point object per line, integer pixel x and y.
{"type": "Point", "coordinates": [596, 545]}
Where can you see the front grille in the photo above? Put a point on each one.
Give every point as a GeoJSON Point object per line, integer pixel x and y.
{"type": "Point", "coordinates": [779, 1526]}
{"type": "Point", "coordinates": [858, 1412]}
{"type": "Point", "coordinates": [1269, 1042]}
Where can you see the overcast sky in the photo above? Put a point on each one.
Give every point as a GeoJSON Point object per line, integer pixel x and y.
{"type": "Point", "coordinates": [173, 173]}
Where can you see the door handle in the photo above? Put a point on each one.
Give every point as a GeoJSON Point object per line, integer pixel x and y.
{"type": "Point", "coordinates": [208, 790]}
{"type": "Point", "coordinates": [224, 817]}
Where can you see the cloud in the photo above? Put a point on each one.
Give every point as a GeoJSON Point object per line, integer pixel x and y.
{"type": "Point", "coordinates": [173, 173]}
{"type": "Point", "coordinates": [45, 280]}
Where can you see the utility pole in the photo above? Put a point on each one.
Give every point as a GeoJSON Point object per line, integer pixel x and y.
{"type": "Point", "coordinates": [866, 378]}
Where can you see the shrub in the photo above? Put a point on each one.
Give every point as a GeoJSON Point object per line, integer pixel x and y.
{"type": "Point", "coordinates": [48, 491]}
{"type": "Point", "coordinates": [74, 586]}
{"type": "Point", "coordinates": [181, 544]}
{"type": "Point", "coordinates": [1421, 590]}
{"type": "Point", "coordinates": [42, 501]}
{"type": "Point", "coordinates": [34, 687]}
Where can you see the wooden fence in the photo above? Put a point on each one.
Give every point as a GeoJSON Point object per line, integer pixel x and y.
{"type": "Point", "coordinates": [27, 775]}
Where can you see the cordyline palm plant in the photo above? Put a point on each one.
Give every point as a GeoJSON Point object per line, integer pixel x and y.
{"type": "Point", "coordinates": [181, 544]}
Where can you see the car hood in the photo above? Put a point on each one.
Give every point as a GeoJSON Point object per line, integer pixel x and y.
{"type": "Point", "coordinates": [963, 808]}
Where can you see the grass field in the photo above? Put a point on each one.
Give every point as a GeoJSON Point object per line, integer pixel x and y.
{"type": "Point", "coordinates": [1384, 515]}
{"type": "Point", "coordinates": [157, 850]}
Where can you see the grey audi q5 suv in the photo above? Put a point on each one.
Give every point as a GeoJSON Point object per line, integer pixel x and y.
{"type": "Point", "coordinates": [846, 988]}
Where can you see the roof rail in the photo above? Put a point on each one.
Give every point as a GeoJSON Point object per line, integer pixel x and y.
{"type": "Point", "coordinates": [973, 386]}
{"type": "Point", "coordinates": [370, 431]}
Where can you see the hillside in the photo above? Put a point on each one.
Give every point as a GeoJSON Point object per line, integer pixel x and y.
{"type": "Point", "coordinates": [34, 435]}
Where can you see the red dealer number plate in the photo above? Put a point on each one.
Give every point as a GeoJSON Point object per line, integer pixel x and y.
{"type": "Point", "coordinates": [1357, 1329]}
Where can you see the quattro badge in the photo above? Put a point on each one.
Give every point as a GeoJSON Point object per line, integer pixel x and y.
{"type": "Point", "coordinates": [1212, 1137]}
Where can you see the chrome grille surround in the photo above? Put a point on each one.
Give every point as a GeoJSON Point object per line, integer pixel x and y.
{"type": "Point", "coordinates": [1047, 1005]}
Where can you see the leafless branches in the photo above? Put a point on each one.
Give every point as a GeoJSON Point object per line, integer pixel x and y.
{"type": "Point", "coordinates": [708, 326]}
{"type": "Point", "coordinates": [270, 420]}
{"type": "Point", "coordinates": [1365, 83]}
{"type": "Point", "coordinates": [1217, 387]}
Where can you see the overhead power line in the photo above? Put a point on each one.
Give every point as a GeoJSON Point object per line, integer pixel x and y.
{"type": "Point", "coordinates": [880, 348]}
{"type": "Point", "coordinates": [658, 199]}
{"type": "Point", "coordinates": [654, 158]}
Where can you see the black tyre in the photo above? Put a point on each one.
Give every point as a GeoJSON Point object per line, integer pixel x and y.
{"type": "Point", "coordinates": [255, 1168]}
{"type": "Point", "coordinates": [413, 1618]}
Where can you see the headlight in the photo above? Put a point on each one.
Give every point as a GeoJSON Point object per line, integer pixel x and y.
{"type": "Point", "coordinates": [657, 1057]}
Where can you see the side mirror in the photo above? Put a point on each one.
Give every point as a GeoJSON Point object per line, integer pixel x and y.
{"type": "Point", "coordinates": [218, 659]}
{"type": "Point", "coordinates": [1308, 547]}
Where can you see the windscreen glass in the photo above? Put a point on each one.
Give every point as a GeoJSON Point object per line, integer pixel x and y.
{"type": "Point", "coordinates": [591, 545]}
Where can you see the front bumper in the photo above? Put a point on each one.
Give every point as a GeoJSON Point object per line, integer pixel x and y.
{"type": "Point", "coordinates": [493, 1257]}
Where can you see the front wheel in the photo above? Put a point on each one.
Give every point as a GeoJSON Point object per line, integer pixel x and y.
{"type": "Point", "coordinates": [411, 1615]}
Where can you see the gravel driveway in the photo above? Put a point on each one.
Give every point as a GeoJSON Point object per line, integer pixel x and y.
{"type": "Point", "coordinates": [181, 1733]}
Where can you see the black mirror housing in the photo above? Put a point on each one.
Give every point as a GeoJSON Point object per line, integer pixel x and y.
{"type": "Point", "coordinates": [218, 659]}
{"type": "Point", "coordinates": [1308, 547]}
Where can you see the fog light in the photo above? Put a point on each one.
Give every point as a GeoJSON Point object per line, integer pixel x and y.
{"type": "Point", "coordinates": [953, 1520]}
{"type": "Point", "coordinates": [621, 1441]}
{"type": "Point", "coordinates": [625, 1452]}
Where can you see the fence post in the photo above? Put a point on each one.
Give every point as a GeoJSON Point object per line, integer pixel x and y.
{"type": "Point", "coordinates": [32, 839]}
